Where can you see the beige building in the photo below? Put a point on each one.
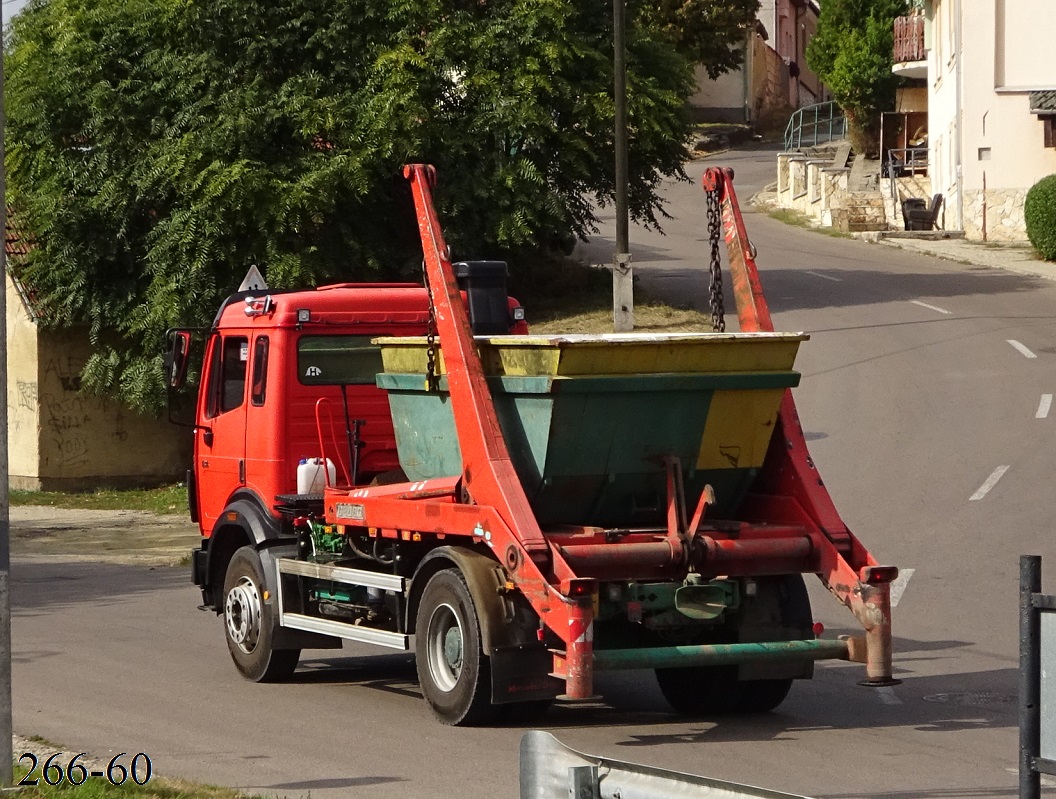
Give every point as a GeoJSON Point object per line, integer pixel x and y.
{"type": "Point", "coordinates": [60, 439]}
{"type": "Point", "coordinates": [773, 79]}
{"type": "Point", "coordinates": [991, 82]}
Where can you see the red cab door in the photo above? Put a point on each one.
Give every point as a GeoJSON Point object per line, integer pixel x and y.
{"type": "Point", "coordinates": [220, 439]}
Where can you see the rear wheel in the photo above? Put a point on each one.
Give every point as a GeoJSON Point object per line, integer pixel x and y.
{"type": "Point", "coordinates": [701, 690]}
{"type": "Point", "coordinates": [249, 622]}
{"type": "Point", "coordinates": [782, 613]}
{"type": "Point", "coordinates": [762, 696]}
{"type": "Point", "coordinates": [452, 668]}
{"type": "Point", "coordinates": [785, 603]}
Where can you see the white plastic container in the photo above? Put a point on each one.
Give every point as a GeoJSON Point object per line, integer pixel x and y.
{"type": "Point", "coordinates": [311, 479]}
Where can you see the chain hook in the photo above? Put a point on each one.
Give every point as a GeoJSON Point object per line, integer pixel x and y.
{"type": "Point", "coordinates": [718, 306]}
{"type": "Point", "coordinates": [432, 382]}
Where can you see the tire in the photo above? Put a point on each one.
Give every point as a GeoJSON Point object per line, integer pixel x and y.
{"type": "Point", "coordinates": [452, 668]}
{"type": "Point", "coordinates": [789, 592]}
{"type": "Point", "coordinates": [526, 712]}
{"type": "Point", "coordinates": [701, 690]}
{"type": "Point", "coordinates": [249, 623]}
{"type": "Point", "coordinates": [762, 696]}
{"type": "Point", "coordinates": [715, 690]}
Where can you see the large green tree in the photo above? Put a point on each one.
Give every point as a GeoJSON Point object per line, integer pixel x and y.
{"type": "Point", "coordinates": [852, 53]}
{"type": "Point", "coordinates": [158, 148]}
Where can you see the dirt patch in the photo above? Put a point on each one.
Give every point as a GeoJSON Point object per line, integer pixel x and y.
{"type": "Point", "coordinates": [113, 536]}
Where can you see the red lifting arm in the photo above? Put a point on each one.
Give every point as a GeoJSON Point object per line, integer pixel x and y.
{"type": "Point", "coordinates": [487, 470]}
{"type": "Point", "coordinates": [789, 489]}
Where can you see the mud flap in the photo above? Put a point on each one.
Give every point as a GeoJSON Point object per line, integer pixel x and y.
{"type": "Point", "coordinates": [523, 675]}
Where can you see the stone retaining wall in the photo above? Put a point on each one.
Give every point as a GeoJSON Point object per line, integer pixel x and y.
{"type": "Point", "coordinates": [1004, 215]}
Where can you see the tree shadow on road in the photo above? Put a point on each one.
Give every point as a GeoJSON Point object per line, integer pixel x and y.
{"type": "Point", "coordinates": [38, 584]}
{"type": "Point", "coordinates": [821, 287]}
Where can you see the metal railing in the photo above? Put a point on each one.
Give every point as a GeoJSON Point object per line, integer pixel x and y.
{"type": "Point", "coordinates": [905, 162]}
{"type": "Point", "coordinates": [815, 124]}
{"type": "Point", "coordinates": [909, 39]}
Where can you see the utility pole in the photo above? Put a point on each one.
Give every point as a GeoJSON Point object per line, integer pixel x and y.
{"type": "Point", "coordinates": [622, 280]}
{"type": "Point", "coordinates": [6, 755]}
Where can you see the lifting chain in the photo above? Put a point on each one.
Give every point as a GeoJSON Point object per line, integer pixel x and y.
{"type": "Point", "coordinates": [718, 307]}
{"type": "Point", "coordinates": [432, 382]}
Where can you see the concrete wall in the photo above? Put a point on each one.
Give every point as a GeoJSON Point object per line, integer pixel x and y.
{"type": "Point", "coordinates": [88, 441]}
{"type": "Point", "coordinates": [719, 100]}
{"type": "Point", "coordinates": [60, 438]}
{"type": "Point", "coordinates": [1005, 51]}
{"type": "Point", "coordinates": [23, 423]}
{"type": "Point", "coordinates": [772, 103]}
{"type": "Point", "coordinates": [764, 76]}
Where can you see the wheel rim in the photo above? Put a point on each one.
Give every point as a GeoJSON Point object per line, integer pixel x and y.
{"type": "Point", "coordinates": [242, 615]}
{"type": "Point", "coordinates": [446, 645]}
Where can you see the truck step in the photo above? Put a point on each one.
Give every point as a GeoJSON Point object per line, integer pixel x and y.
{"type": "Point", "coordinates": [342, 574]}
{"type": "Point", "coordinates": [339, 629]}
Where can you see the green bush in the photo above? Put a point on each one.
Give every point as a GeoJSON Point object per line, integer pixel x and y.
{"type": "Point", "coordinates": [1040, 213]}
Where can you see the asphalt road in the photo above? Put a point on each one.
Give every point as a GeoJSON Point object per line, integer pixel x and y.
{"type": "Point", "coordinates": [913, 400]}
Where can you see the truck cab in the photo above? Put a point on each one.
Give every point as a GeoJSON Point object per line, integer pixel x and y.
{"type": "Point", "coordinates": [289, 376]}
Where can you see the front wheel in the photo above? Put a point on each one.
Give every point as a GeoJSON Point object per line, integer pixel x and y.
{"type": "Point", "coordinates": [249, 622]}
{"type": "Point", "coordinates": [453, 670]}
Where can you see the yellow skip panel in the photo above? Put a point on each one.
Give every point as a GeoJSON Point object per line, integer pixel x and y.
{"type": "Point", "coordinates": [738, 429]}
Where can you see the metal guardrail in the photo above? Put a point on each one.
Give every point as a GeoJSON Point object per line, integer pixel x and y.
{"type": "Point", "coordinates": [815, 124]}
{"type": "Point", "coordinates": [550, 770]}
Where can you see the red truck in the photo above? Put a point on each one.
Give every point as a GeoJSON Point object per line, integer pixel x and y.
{"type": "Point", "coordinates": [521, 510]}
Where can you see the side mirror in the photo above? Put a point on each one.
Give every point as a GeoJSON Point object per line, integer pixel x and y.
{"type": "Point", "coordinates": [176, 358]}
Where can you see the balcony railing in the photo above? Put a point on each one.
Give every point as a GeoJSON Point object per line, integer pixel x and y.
{"type": "Point", "coordinates": [909, 39]}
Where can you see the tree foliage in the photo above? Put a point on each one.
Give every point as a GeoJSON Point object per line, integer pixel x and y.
{"type": "Point", "coordinates": [158, 148]}
{"type": "Point", "coordinates": [708, 32]}
{"type": "Point", "coordinates": [852, 53]}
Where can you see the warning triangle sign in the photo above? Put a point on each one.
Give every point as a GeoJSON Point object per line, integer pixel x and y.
{"type": "Point", "coordinates": [253, 281]}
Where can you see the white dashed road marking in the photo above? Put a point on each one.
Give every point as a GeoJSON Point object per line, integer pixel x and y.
{"type": "Point", "coordinates": [1044, 406]}
{"type": "Point", "coordinates": [887, 696]}
{"type": "Point", "coordinates": [825, 277]}
{"type": "Point", "coordinates": [898, 585]}
{"type": "Point", "coordinates": [991, 481]}
{"type": "Point", "coordinates": [929, 307]}
{"type": "Point", "coordinates": [1021, 347]}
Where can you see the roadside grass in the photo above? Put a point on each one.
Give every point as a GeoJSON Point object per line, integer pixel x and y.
{"type": "Point", "coordinates": [564, 296]}
{"type": "Point", "coordinates": [97, 788]}
{"type": "Point", "coordinates": [166, 500]}
{"type": "Point", "coordinates": [797, 219]}
{"type": "Point", "coordinates": [649, 317]}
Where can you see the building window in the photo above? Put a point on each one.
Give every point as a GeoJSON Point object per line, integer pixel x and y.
{"type": "Point", "coordinates": [1050, 130]}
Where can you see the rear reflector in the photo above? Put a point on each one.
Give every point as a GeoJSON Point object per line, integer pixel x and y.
{"type": "Point", "coordinates": [878, 575]}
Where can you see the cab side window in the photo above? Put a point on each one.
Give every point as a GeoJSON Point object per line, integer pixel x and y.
{"type": "Point", "coordinates": [227, 378]}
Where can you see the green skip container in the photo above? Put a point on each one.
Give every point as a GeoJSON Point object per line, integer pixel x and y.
{"type": "Point", "coordinates": [590, 420]}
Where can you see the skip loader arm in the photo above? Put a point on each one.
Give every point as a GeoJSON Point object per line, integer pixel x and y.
{"type": "Point", "coordinates": [789, 489]}
{"type": "Point", "coordinates": [489, 481]}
